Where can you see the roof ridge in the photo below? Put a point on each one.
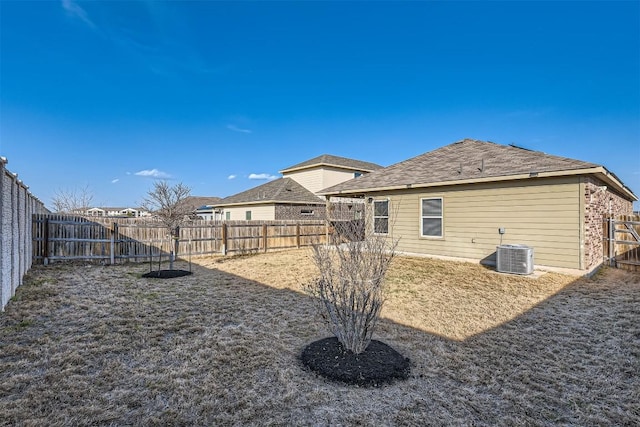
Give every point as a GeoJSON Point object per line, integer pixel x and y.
{"type": "Point", "coordinates": [281, 187]}
{"type": "Point", "coordinates": [332, 159]}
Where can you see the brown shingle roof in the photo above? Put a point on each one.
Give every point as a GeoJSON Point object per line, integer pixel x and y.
{"type": "Point", "coordinates": [280, 190]}
{"type": "Point", "coordinates": [464, 160]}
{"type": "Point", "coordinates": [329, 160]}
{"type": "Point", "coordinates": [195, 202]}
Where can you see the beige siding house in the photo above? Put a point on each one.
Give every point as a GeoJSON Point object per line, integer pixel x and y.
{"type": "Point", "coordinates": [115, 212]}
{"type": "Point", "coordinates": [293, 196]}
{"type": "Point", "coordinates": [465, 199]}
{"type": "Point", "coordinates": [202, 207]}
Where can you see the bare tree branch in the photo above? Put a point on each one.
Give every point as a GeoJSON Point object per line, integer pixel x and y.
{"type": "Point", "coordinates": [168, 204]}
{"type": "Point", "coordinates": [72, 201]}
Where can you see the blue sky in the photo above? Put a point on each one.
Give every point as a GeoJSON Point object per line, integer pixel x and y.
{"type": "Point", "coordinates": [221, 95]}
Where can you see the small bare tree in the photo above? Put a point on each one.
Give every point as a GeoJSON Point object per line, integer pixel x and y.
{"type": "Point", "coordinates": [72, 201]}
{"type": "Point", "coordinates": [168, 204]}
{"type": "Point", "coordinates": [350, 289]}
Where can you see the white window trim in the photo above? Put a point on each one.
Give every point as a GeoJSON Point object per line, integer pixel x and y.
{"type": "Point", "coordinates": [388, 216]}
{"type": "Point", "coordinates": [441, 236]}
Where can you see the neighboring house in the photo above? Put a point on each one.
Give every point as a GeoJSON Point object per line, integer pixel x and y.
{"type": "Point", "coordinates": [466, 198]}
{"type": "Point", "coordinates": [116, 212]}
{"type": "Point", "coordinates": [294, 195]}
{"type": "Point", "coordinates": [202, 207]}
{"type": "Point", "coordinates": [282, 198]}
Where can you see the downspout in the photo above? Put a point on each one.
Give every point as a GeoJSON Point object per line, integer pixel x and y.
{"type": "Point", "coordinates": [327, 205]}
{"type": "Point", "coordinates": [612, 235]}
{"type": "Point", "coordinates": [582, 219]}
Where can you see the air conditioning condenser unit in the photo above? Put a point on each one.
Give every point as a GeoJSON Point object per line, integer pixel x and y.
{"type": "Point", "coordinates": [515, 259]}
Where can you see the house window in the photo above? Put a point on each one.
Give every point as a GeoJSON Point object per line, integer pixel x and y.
{"type": "Point", "coordinates": [306, 212]}
{"type": "Point", "coordinates": [247, 215]}
{"type": "Point", "coordinates": [431, 217]}
{"type": "Point", "coordinates": [227, 216]}
{"type": "Point", "coordinates": [381, 216]}
{"type": "Point", "coordinates": [357, 174]}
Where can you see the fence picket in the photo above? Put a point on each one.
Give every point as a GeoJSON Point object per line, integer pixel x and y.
{"type": "Point", "coordinates": [61, 237]}
{"type": "Point", "coordinates": [622, 248]}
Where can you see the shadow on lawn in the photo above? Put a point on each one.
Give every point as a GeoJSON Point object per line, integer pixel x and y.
{"type": "Point", "coordinates": [106, 346]}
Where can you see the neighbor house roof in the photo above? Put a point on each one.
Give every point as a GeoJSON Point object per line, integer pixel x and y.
{"type": "Point", "coordinates": [469, 161]}
{"type": "Point", "coordinates": [281, 190]}
{"type": "Point", "coordinates": [196, 202]}
{"type": "Point", "coordinates": [336, 161]}
{"type": "Point", "coordinates": [116, 208]}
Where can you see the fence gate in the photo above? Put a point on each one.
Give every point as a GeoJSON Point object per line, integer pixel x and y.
{"type": "Point", "coordinates": [622, 242]}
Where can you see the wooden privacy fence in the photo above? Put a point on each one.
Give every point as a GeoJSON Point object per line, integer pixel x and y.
{"type": "Point", "coordinates": [69, 237]}
{"type": "Point", "coordinates": [622, 241]}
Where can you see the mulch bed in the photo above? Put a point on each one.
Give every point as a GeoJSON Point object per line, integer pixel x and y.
{"type": "Point", "coordinates": [166, 274]}
{"type": "Point", "coordinates": [378, 364]}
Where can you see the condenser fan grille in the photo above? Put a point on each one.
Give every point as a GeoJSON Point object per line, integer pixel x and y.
{"type": "Point", "coordinates": [516, 259]}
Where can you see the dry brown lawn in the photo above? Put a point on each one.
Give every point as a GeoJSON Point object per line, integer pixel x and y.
{"type": "Point", "coordinates": [83, 344]}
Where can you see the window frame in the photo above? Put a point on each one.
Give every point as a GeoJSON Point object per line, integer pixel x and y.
{"type": "Point", "coordinates": [423, 216]}
{"type": "Point", "coordinates": [388, 202]}
{"type": "Point", "coordinates": [247, 215]}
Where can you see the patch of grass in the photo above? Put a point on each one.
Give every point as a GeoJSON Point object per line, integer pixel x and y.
{"type": "Point", "coordinates": [18, 327]}
{"type": "Point", "coordinates": [222, 347]}
{"type": "Point", "coordinates": [24, 323]}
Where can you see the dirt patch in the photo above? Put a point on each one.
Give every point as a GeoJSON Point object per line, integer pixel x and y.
{"type": "Point", "coordinates": [166, 274]}
{"type": "Point", "coordinates": [379, 364]}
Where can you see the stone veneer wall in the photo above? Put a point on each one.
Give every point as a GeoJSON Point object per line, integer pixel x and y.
{"type": "Point", "coordinates": [596, 208]}
{"type": "Point", "coordinates": [294, 212]}
{"type": "Point", "coordinates": [17, 207]}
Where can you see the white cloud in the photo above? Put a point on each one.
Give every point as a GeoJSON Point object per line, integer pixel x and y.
{"type": "Point", "coordinates": [231, 177]}
{"type": "Point", "coordinates": [153, 173]}
{"type": "Point", "coordinates": [75, 10]}
{"type": "Point", "coordinates": [262, 176]}
{"type": "Point", "coordinates": [113, 181]}
{"type": "Point", "coordinates": [237, 129]}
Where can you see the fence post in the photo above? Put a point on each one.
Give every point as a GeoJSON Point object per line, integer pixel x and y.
{"type": "Point", "coordinates": [112, 249]}
{"type": "Point", "coordinates": [264, 237]}
{"type": "Point", "coordinates": [177, 243]}
{"type": "Point", "coordinates": [612, 242]}
{"type": "Point", "coordinates": [298, 235]}
{"type": "Point", "coordinates": [224, 238]}
{"type": "Point", "coordinates": [45, 255]}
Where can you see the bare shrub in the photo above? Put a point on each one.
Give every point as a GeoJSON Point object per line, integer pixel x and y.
{"type": "Point", "coordinates": [350, 289]}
